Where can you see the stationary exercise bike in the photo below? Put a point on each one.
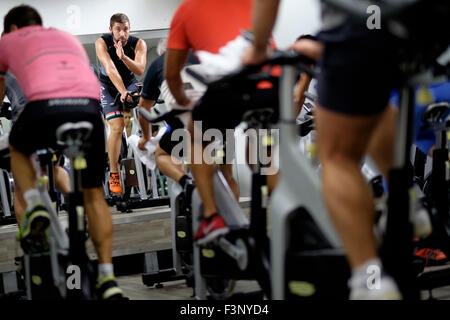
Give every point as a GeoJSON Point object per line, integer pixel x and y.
{"type": "Point", "coordinates": [47, 271]}
{"type": "Point", "coordinates": [435, 187]}
{"type": "Point", "coordinates": [228, 259]}
{"type": "Point", "coordinates": [180, 199]}
{"type": "Point", "coordinates": [181, 223]}
{"type": "Point", "coordinates": [182, 248]}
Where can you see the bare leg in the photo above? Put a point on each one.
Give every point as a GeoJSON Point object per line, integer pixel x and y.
{"type": "Point", "coordinates": [114, 142]}
{"type": "Point", "coordinates": [227, 171]}
{"type": "Point", "coordinates": [62, 180]}
{"type": "Point", "coordinates": [272, 181]}
{"type": "Point", "coordinates": [100, 223]}
{"type": "Point", "coordinates": [203, 175]}
{"type": "Point", "coordinates": [19, 204]}
{"type": "Point", "coordinates": [342, 142]}
{"type": "Point", "coordinates": [167, 166]}
{"type": "Point", "coordinates": [381, 144]}
{"type": "Point", "coordinates": [23, 171]}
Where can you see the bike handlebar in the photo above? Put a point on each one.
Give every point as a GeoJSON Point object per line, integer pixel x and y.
{"type": "Point", "coordinates": [135, 96]}
{"type": "Point", "coordinates": [253, 72]}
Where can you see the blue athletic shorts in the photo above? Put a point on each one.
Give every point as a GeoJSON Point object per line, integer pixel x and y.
{"type": "Point", "coordinates": [109, 93]}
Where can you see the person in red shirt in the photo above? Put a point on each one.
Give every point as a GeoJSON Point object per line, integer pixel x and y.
{"type": "Point", "coordinates": [205, 25]}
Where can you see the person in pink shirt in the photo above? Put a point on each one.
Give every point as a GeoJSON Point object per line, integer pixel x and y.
{"type": "Point", "coordinates": [53, 71]}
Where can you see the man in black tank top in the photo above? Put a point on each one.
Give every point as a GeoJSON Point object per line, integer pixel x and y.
{"type": "Point", "coordinates": [121, 57]}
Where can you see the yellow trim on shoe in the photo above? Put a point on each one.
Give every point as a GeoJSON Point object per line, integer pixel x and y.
{"type": "Point", "coordinates": [111, 292]}
{"type": "Point", "coordinates": [29, 217]}
{"type": "Point", "coordinates": [101, 280]}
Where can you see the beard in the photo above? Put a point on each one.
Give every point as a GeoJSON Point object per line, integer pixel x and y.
{"type": "Point", "coordinates": [123, 40]}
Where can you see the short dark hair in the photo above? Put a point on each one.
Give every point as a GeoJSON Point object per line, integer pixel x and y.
{"type": "Point", "coordinates": [21, 16]}
{"type": "Point", "coordinates": [119, 18]}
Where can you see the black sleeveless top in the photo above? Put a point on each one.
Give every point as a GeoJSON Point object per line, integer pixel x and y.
{"type": "Point", "coordinates": [125, 73]}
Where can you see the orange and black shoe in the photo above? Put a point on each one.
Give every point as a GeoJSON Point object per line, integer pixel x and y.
{"type": "Point", "coordinates": [432, 257]}
{"type": "Point", "coordinates": [210, 229]}
{"type": "Point", "coordinates": [114, 183]}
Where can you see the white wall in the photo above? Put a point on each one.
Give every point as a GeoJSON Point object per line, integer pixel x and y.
{"type": "Point", "coordinates": [296, 17]}
{"type": "Point", "coordinates": [81, 17]}
{"type": "Point", "coordinates": [92, 16]}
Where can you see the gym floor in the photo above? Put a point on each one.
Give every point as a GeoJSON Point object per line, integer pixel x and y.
{"type": "Point", "coordinates": [147, 230]}
{"type": "Point", "coordinates": [153, 222]}
{"type": "Point", "coordinates": [177, 290]}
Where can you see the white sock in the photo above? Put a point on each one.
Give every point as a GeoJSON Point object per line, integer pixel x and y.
{"type": "Point", "coordinates": [32, 197]}
{"type": "Point", "coordinates": [105, 270]}
{"type": "Point", "coordinates": [361, 275]}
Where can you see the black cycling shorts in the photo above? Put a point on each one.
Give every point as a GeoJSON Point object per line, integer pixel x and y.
{"type": "Point", "coordinates": [36, 129]}
{"type": "Point", "coordinates": [168, 142]}
{"type": "Point", "coordinates": [358, 74]}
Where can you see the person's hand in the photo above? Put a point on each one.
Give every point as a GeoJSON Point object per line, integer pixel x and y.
{"type": "Point", "coordinates": [142, 142]}
{"type": "Point", "coordinates": [119, 49]}
{"type": "Point", "coordinates": [253, 56]}
{"type": "Point", "coordinates": [307, 47]}
{"type": "Point", "coordinates": [123, 95]}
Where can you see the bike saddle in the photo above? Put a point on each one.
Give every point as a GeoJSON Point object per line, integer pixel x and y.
{"type": "Point", "coordinates": [435, 111]}
{"type": "Point", "coordinates": [74, 133]}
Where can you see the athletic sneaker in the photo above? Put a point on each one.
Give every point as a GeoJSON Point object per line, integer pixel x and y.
{"type": "Point", "coordinates": [210, 229]}
{"type": "Point", "coordinates": [34, 230]}
{"type": "Point", "coordinates": [114, 183]}
{"type": "Point", "coordinates": [420, 220]}
{"type": "Point", "coordinates": [107, 289]}
{"type": "Point", "coordinates": [432, 257]}
{"type": "Point", "coordinates": [387, 290]}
